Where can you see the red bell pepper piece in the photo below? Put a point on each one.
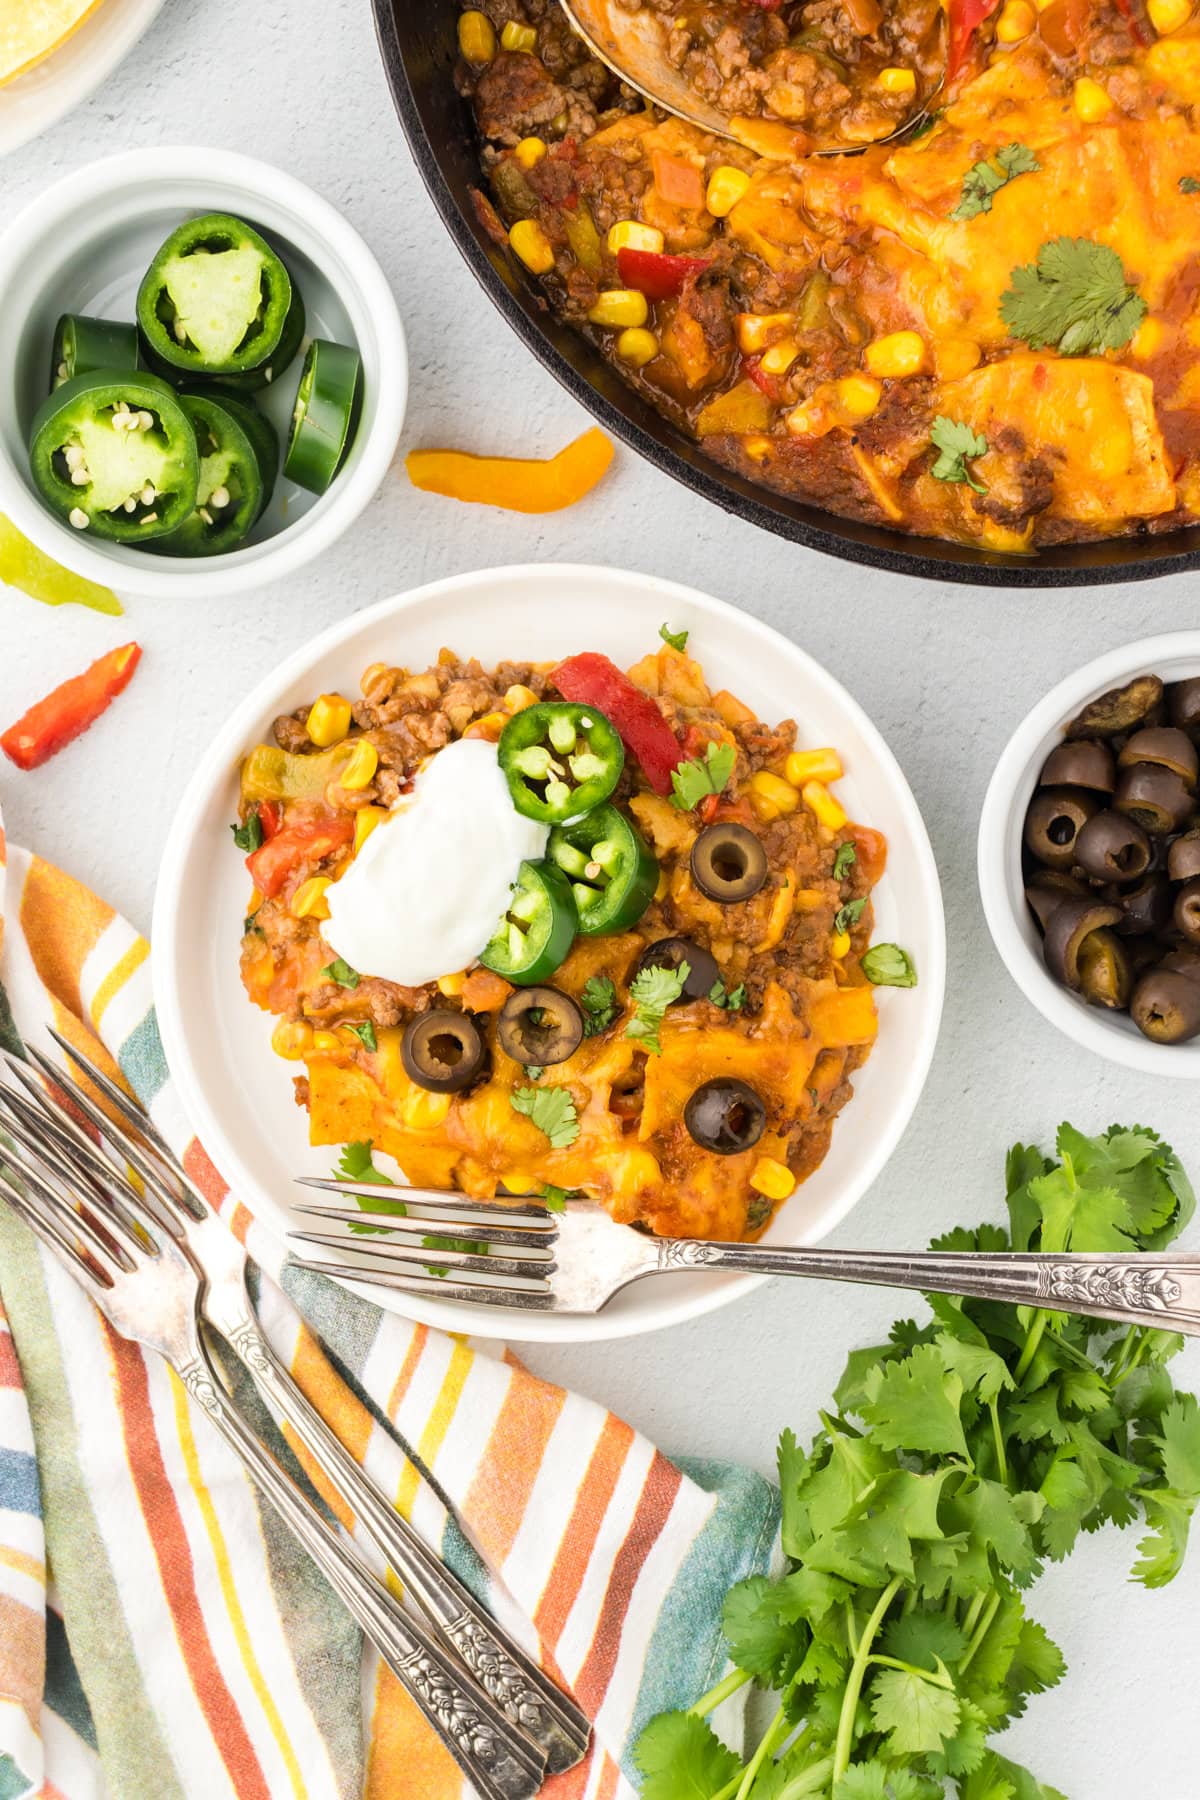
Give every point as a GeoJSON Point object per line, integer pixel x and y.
{"type": "Point", "coordinates": [270, 817]}
{"type": "Point", "coordinates": [272, 863]}
{"type": "Point", "coordinates": [592, 680]}
{"type": "Point", "coordinates": [966, 16]}
{"type": "Point", "coordinates": [766, 384]}
{"type": "Point", "coordinates": [66, 714]}
{"type": "Point", "coordinates": [656, 275]}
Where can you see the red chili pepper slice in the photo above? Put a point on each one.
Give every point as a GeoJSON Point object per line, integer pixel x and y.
{"type": "Point", "coordinates": [274, 861]}
{"type": "Point", "coordinates": [65, 714]}
{"type": "Point", "coordinates": [966, 16]}
{"type": "Point", "coordinates": [593, 680]}
{"type": "Point", "coordinates": [766, 384]}
{"type": "Point", "coordinates": [270, 817]}
{"type": "Point", "coordinates": [656, 275]}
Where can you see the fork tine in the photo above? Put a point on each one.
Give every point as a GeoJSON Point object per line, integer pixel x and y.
{"type": "Point", "coordinates": [474, 1292]}
{"type": "Point", "coordinates": [53, 1237]}
{"type": "Point", "coordinates": [417, 1253]}
{"type": "Point", "coordinates": [529, 1239]}
{"type": "Point", "coordinates": [129, 1109]}
{"type": "Point", "coordinates": [106, 1200]}
{"type": "Point", "coordinates": [46, 1198]}
{"type": "Point", "coordinates": [515, 1216]}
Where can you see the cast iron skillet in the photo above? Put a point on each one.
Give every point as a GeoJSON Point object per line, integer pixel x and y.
{"type": "Point", "coordinates": [419, 45]}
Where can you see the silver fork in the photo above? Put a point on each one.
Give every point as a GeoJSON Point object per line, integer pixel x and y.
{"type": "Point", "coordinates": [524, 1693]}
{"type": "Point", "coordinates": [530, 1259]}
{"type": "Point", "coordinates": [148, 1290]}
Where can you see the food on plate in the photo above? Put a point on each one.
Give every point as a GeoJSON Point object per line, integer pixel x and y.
{"type": "Point", "coordinates": [477, 918]}
{"type": "Point", "coordinates": [1112, 856]}
{"type": "Point", "coordinates": [24, 566]}
{"type": "Point", "coordinates": [986, 333]}
{"type": "Point", "coordinates": [150, 435]}
{"type": "Point", "coordinates": [53, 723]}
{"type": "Point", "coordinates": [32, 30]}
{"type": "Point", "coordinates": [954, 1462]}
{"type": "Point", "coordinates": [520, 484]}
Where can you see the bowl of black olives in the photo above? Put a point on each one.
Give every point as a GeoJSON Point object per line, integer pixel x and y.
{"type": "Point", "coordinates": [1089, 856]}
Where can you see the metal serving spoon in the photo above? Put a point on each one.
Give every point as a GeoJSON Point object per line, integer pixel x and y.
{"type": "Point", "coordinates": [632, 45]}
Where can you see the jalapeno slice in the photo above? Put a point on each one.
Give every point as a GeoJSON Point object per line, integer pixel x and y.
{"type": "Point", "coordinates": [252, 381]}
{"type": "Point", "coordinates": [561, 760]}
{"type": "Point", "coordinates": [82, 344]}
{"type": "Point", "coordinates": [114, 453]}
{"type": "Point", "coordinates": [215, 299]}
{"type": "Point", "coordinates": [537, 929]}
{"type": "Point", "coordinates": [231, 490]}
{"type": "Point", "coordinates": [612, 870]}
{"type": "Point", "coordinates": [325, 416]}
{"type": "Point", "coordinates": [262, 434]}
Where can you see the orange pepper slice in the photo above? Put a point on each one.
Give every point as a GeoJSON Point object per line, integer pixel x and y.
{"type": "Point", "coordinates": [518, 484]}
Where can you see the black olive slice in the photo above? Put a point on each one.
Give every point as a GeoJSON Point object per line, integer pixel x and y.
{"type": "Point", "coordinates": [1048, 889]}
{"type": "Point", "coordinates": [725, 1116]}
{"type": "Point", "coordinates": [1183, 962]}
{"type": "Point", "coordinates": [540, 1026]}
{"type": "Point", "coordinates": [1183, 704]}
{"type": "Point", "coordinates": [1156, 797]}
{"type": "Point", "coordinates": [1187, 911]}
{"type": "Point", "coordinates": [1055, 818]}
{"type": "Point", "coordinates": [1105, 971]}
{"type": "Point", "coordinates": [443, 1051]}
{"type": "Point", "coordinates": [1070, 924]}
{"type": "Point", "coordinates": [1112, 847]}
{"type": "Point", "coordinates": [1085, 764]}
{"type": "Point", "coordinates": [1166, 1006]}
{"type": "Point", "coordinates": [670, 953]}
{"type": "Point", "coordinates": [1145, 909]}
{"type": "Point", "coordinates": [1166, 746]}
{"type": "Point", "coordinates": [728, 863]}
{"type": "Point", "coordinates": [1121, 709]}
{"type": "Point", "coordinates": [1183, 858]}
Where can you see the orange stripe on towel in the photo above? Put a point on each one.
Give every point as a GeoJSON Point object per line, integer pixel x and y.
{"type": "Point", "coordinates": [405, 1758]}
{"type": "Point", "coordinates": [499, 1493]}
{"type": "Point", "coordinates": [583, 1528]}
{"type": "Point", "coordinates": [657, 1499]}
{"type": "Point", "coordinates": [62, 922]}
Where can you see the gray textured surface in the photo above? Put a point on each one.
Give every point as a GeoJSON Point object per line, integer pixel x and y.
{"type": "Point", "coordinates": [946, 672]}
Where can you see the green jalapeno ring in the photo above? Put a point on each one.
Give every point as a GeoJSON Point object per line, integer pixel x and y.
{"type": "Point", "coordinates": [252, 381]}
{"type": "Point", "coordinates": [263, 436]}
{"type": "Point", "coordinates": [325, 416]}
{"type": "Point", "coordinates": [612, 870]}
{"type": "Point", "coordinates": [215, 299]}
{"type": "Point", "coordinates": [535, 934]}
{"type": "Point", "coordinates": [113, 452]}
{"type": "Point", "coordinates": [230, 493]}
{"type": "Point", "coordinates": [82, 344]}
{"type": "Point", "coordinates": [561, 760]}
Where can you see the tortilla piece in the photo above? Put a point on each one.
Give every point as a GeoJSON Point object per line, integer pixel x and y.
{"type": "Point", "coordinates": [31, 30]}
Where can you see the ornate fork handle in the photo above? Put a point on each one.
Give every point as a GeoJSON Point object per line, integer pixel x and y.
{"type": "Point", "coordinates": [519, 1688]}
{"type": "Point", "coordinates": [1162, 1291]}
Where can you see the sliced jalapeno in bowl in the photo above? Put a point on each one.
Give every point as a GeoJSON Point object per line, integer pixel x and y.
{"type": "Point", "coordinates": [561, 760]}
{"type": "Point", "coordinates": [232, 486]}
{"type": "Point", "coordinates": [537, 930]}
{"type": "Point", "coordinates": [325, 416]}
{"type": "Point", "coordinates": [252, 381]}
{"type": "Point", "coordinates": [82, 344]}
{"type": "Point", "coordinates": [612, 870]}
{"type": "Point", "coordinates": [114, 453]}
{"type": "Point", "coordinates": [215, 299]}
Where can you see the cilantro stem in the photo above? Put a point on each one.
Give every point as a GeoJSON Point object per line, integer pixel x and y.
{"type": "Point", "coordinates": [709, 1702]}
{"type": "Point", "coordinates": [1032, 1340]}
{"type": "Point", "coordinates": [998, 1440]}
{"type": "Point", "coordinates": [851, 1640]}
{"type": "Point", "coordinates": [776, 1731]}
{"type": "Point", "coordinates": [973, 1611]}
{"type": "Point", "coordinates": [981, 1631]}
{"type": "Point", "coordinates": [929, 1675]}
{"type": "Point", "coordinates": [858, 1669]}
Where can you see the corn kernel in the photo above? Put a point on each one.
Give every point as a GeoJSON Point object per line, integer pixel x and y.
{"type": "Point", "coordinates": [813, 765]}
{"type": "Point", "coordinates": [637, 346]}
{"type": "Point", "coordinates": [776, 792]}
{"type": "Point", "coordinates": [809, 899]}
{"type": "Point", "coordinates": [839, 945]}
{"type": "Point", "coordinates": [1147, 339]}
{"type": "Point", "coordinates": [772, 1178]}
{"type": "Point", "coordinates": [518, 37]}
{"type": "Point", "coordinates": [1091, 102]}
{"type": "Point", "coordinates": [629, 234]}
{"type": "Point", "coordinates": [777, 359]}
{"type": "Point", "coordinates": [953, 357]}
{"type": "Point", "coordinates": [360, 770]}
{"type": "Point", "coordinates": [529, 152]}
{"type": "Point", "coordinates": [532, 246]}
{"type": "Point", "coordinates": [756, 330]}
{"type": "Point", "coordinates": [763, 809]}
{"type": "Point", "coordinates": [292, 1039]}
{"type": "Point", "coordinates": [372, 675]}
{"type": "Point", "coordinates": [328, 721]}
{"type": "Point", "coordinates": [308, 901]}
{"type": "Point", "coordinates": [858, 395]}
{"type": "Point", "coordinates": [488, 727]}
{"type": "Point", "coordinates": [897, 81]}
{"type": "Point", "coordinates": [1016, 21]}
{"type": "Point", "coordinates": [726, 186]}
{"type": "Point", "coordinates": [423, 1111]}
{"type": "Point", "coordinates": [1168, 15]}
{"type": "Point", "coordinates": [620, 307]}
{"type": "Point", "coordinates": [326, 1042]}
{"type": "Point", "coordinates": [660, 887]}
{"type": "Point", "coordinates": [476, 38]}
{"type": "Point", "coordinates": [452, 985]}
{"type": "Point", "coordinates": [900, 353]}
{"type": "Point", "coordinates": [518, 697]}
{"type": "Point", "coordinates": [819, 800]}
{"type": "Point", "coordinates": [757, 447]}
{"type": "Point", "coordinates": [365, 821]}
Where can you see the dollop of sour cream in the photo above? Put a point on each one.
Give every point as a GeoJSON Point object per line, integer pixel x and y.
{"type": "Point", "coordinates": [425, 892]}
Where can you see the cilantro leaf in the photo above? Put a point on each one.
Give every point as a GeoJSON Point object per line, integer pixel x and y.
{"type": "Point", "coordinates": [249, 834]}
{"type": "Point", "coordinates": [914, 1405]}
{"type": "Point", "coordinates": [875, 1780]}
{"type": "Point", "coordinates": [551, 1109]}
{"type": "Point", "coordinates": [849, 915]}
{"type": "Point", "coordinates": [698, 777]}
{"type": "Point", "coordinates": [917, 1714]}
{"type": "Point", "coordinates": [887, 965]}
{"type": "Point", "coordinates": [676, 639]}
{"type": "Point", "coordinates": [759, 1640]}
{"type": "Point", "coordinates": [654, 989]}
{"type": "Point", "coordinates": [357, 1163]}
{"type": "Point", "coordinates": [365, 1032]}
{"type": "Point", "coordinates": [1075, 297]}
{"type": "Point", "coordinates": [731, 999]}
{"type": "Point", "coordinates": [1189, 184]}
{"type": "Point", "coordinates": [599, 1003]}
{"type": "Point", "coordinates": [556, 1198]}
{"type": "Point", "coordinates": [682, 1759]}
{"type": "Point", "coordinates": [340, 971]}
{"type": "Point", "coordinates": [985, 179]}
{"type": "Point", "coordinates": [844, 861]}
{"type": "Point", "coordinates": [1179, 1442]}
{"type": "Point", "coordinates": [956, 444]}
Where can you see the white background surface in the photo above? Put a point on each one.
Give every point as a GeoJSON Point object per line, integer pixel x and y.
{"type": "Point", "coordinates": [946, 672]}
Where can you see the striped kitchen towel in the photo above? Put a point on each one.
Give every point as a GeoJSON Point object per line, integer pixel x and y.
{"type": "Point", "coordinates": [161, 1635]}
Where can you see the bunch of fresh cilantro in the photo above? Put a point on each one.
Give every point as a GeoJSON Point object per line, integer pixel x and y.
{"type": "Point", "coordinates": [958, 1458]}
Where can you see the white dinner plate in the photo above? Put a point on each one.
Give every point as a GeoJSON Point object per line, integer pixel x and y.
{"type": "Point", "coordinates": [35, 101]}
{"type": "Point", "coordinates": [238, 1093]}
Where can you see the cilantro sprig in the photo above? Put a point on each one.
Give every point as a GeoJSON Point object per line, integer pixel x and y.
{"type": "Point", "coordinates": [728, 999]}
{"type": "Point", "coordinates": [248, 835]}
{"type": "Point", "coordinates": [340, 972]}
{"type": "Point", "coordinates": [1075, 297]}
{"type": "Point", "coordinates": [983, 180]}
{"type": "Point", "coordinates": [653, 990]}
{"type": "Point", "coordinates": [600, 1004]}
{"type": "Point", "coordinates": [957, 444]}
{"type": "Point", "coordinates": [551, 1109]}
{"type": "Point", "coordinates": [955, 1461]}
{"type": "Point", "coordinates": [695, 779]}
{"type": "Point", "coordinates": [676, 639]}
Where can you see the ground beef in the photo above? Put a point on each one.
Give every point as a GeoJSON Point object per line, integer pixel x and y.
{"type": "Point", "coordinates": [516, 97]}
{"type": "Point", "coordinates": [1023, 487]}
{"type": "Point", "coordinates": [291, 733]}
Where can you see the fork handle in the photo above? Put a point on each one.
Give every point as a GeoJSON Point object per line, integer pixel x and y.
{"type": "Point", "coordinates": [1161, 1291]}
{"type": "Point", "coordinates": [472, 1728]}
{"type": "Point", "coordinates": [526, 1696]}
